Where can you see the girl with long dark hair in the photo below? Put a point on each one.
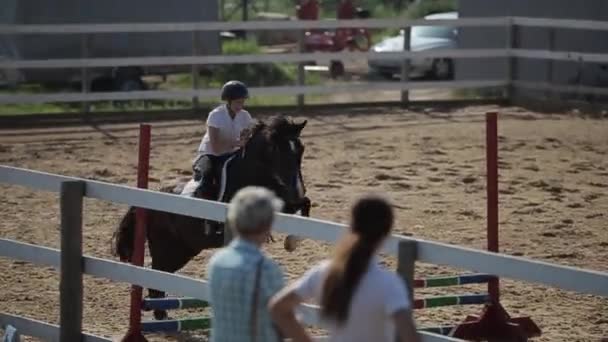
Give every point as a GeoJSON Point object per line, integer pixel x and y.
{"type": "Point", "coordinates": [359, 299]}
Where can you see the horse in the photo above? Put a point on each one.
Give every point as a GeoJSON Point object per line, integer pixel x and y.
{"type": "Point", "coordinates": [271, 157]}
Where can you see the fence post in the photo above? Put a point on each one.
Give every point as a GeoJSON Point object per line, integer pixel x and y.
{"type": "Point", "coordinates": [196, 43]}
{"type": "Point", "coordinates": [228, 236]}
{"type": "Point", "coordinates": [407, 253]}
{"type": "Point", "coordinates": [405, 67]}
{"type": "Point", "coordinates": [492, 194]}
{"type": "Point", "coordinates": [85, 83]}
{"type": "Point", "coordinates": [550, 63]}
{"type": "Point", "coordinates": [245, 5]}
{"type": "Point", "coordinates": [301, 74]}
{"type": "Point", "coordinates": [511, 42]}
{"type": "Point", "coordinates": [70, 284]}
{"type": "Point", "coordinates": [134, 334]}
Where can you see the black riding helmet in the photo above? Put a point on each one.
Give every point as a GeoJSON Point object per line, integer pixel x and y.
{"type": "Point", "coordinates": [234, 90]}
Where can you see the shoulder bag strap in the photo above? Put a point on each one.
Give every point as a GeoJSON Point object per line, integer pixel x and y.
{"type": "Point", "coordinates": [256, 294]}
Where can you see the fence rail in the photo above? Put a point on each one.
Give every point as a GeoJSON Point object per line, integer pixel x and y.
{"type": "Point", "coordinates": [301, 90]}
{"type": "Point", "coordinates": [301, 57]}
{"type": "Point", "coordinates": [259, 91]}
{"type": "Point", "coordinates": [563, 277]}
{"type": "Point", "coordinates": [575, 24]}
{"type": "Point", "coordinates": [42, 330]}
{"type": "Point", "coordinates": [301, 25]}
{"type": "Point", "coordinates": [255, 58]}
{"type": "Point", "coordinates": [126, 273]}
{"type": "Point", "coordinates": [247, 25]}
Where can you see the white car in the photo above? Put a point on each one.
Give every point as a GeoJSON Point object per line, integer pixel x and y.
{"type": "Point", "coordinates": [421, 38]}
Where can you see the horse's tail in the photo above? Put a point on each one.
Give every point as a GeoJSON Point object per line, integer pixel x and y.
{"type": "Point", "coordinates": [124, 236]}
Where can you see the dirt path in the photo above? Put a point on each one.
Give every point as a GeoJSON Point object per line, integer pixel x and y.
{"type": "Point", "coordinates": [553, 202]}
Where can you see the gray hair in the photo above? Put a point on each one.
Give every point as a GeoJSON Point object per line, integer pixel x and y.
{"type": "Point", "coordinates": [252, 209]}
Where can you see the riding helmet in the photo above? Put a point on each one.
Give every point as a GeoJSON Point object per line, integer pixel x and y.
{"type": "Point", "coordinates": [234, 90]}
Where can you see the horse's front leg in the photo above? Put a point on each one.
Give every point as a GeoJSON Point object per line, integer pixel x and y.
{"type": "Point", "coordinates": [305, 207]}
{"type": "Point", "coordinates": [158, 314]}
{"type": "Point", "coordinates": [291, 241]}
{"type": "Point", "coordinates": [270, 238]}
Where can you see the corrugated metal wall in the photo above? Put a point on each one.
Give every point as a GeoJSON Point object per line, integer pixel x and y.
{"type": "Point", "coordinates": [535, 38]}
{"type": "Point", "coordinates": [113, 45]}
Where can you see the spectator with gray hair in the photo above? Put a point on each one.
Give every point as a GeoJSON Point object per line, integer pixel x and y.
{"type": "Point", "coordinates": [242, 279]}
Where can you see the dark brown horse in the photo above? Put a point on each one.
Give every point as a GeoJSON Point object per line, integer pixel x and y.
{"type": "Point", "coordinates": [271, 158]}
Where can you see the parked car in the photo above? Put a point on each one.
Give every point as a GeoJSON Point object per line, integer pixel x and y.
{"type": "Point", "coordinates": [421, 38]}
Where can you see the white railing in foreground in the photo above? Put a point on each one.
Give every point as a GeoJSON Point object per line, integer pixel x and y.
{"type": "Point", "coordinates": [563, 277]}
{"type": "Point", "coordinates": [42, 330]}
{"type": "Point", "coordinates": [145, 277]}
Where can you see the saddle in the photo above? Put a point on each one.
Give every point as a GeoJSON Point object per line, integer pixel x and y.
{"type": "Point", "coordinates": [209, 176]}
{"type": "Point", "coordinates": [209, 181]}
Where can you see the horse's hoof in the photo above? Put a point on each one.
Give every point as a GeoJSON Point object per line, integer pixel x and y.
{"type": "Point", "coordinates": [291, 243]}
{"type": "Point", "coordinates": [270, 239]}
{"type": "Point", "coordinates": [160, 315]}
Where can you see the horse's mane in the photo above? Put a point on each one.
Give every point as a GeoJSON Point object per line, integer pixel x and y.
{"type": "Point", "coordinates": [276, 127]}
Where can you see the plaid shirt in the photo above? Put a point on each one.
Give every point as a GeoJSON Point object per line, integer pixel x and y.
{"type": "Point", "coordinates": [231, 282]}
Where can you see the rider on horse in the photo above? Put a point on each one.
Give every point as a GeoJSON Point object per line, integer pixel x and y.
{"type": "Point", "coordinates": [228, 127]}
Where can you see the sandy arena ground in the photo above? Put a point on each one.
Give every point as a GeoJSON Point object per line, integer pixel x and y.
{"type": "Point", "coordinates": [553, 202]}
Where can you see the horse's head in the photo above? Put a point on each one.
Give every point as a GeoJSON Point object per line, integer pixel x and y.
{"type": "Point", "coordinates": [277, 145]}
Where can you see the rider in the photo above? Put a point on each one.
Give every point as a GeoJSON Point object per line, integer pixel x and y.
{"type": "Point", "coordinates": [227, 127]}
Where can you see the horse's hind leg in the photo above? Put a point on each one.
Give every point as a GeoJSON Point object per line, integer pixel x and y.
{"type": "Point", "coordinates": [158, 314]}
{"type": "Point", "coordinates": [168, 253]}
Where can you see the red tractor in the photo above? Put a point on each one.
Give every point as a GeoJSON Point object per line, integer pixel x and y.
{"type": "Point", "coordinates": [338, 40]}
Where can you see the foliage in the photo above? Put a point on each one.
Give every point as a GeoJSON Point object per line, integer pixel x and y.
{"type": "Point", "coordinates": [426, 7]}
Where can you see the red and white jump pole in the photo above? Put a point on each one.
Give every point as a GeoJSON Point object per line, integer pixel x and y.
{"type": "Point", "coordinates": [134, 334]}
{"type": "Point", "coordinates": [493, 318]}
{"type": "Point", "coordinates": [494, 322]}
{"type": "Point", "coordinates": [492, 194]}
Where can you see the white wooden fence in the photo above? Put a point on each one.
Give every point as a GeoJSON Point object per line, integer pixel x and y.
{"type": "Point", "coordinates": [41, 330]}
{"type": "Point", "coordinates": [507, 52]}
{"type": "Point", "coordinates": [563, 277]}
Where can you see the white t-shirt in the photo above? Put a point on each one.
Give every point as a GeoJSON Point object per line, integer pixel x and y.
{"type": "Point", "coordinates": [379, 295]}
{"type": "Point", "coordinates": [230, 130]}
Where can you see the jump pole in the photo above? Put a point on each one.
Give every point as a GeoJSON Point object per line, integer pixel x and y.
{"type": "Point", "coordinates": [143, 166]}
{"type": "Point", "coordinates": [494, 322]}
{"type": "Point", "coordinates": [492, 195]}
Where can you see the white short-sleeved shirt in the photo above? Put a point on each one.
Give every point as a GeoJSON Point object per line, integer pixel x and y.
{"type": "Point", "coordinates": [230, 130]}
{"type": "Point", "coordinates": [379, 295]}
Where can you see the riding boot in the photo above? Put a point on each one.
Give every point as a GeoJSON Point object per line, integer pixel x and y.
{"type": "Point", "coordinates": [208, 188]}
{"type": "Point", "coordinates": [204, 171]}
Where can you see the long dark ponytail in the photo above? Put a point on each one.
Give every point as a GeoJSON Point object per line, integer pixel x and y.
{"type": "Point", "coordinates": [371, 222]}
